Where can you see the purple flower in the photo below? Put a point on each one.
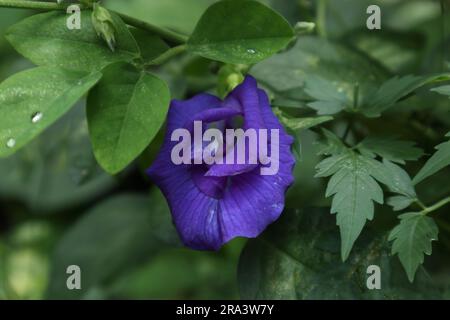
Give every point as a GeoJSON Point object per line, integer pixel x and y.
{"type": "Point", "coordinates": [214, 203]}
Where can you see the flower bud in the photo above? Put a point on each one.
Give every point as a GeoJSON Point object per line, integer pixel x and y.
{"type": "Point", "coordinates": [104, 25]}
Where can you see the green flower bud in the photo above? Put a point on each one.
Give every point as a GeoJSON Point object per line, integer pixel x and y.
{"type": "Point", "coordinates": [104, 25]}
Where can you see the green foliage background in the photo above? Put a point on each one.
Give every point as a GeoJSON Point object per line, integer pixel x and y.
{"type": "Point", "coordinates": [367, 109]}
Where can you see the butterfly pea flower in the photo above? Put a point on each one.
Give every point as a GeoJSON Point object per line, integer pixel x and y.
{"type": "Point", "coordinates": [212, 203]}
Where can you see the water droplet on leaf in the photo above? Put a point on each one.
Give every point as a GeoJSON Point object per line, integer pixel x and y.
{"type": "Point", "coordinates": [10, 143]}
{"type": "Point", "coordinates": [36, 117]}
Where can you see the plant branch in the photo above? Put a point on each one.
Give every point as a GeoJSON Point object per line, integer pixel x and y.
{"type": "Point", "coordinates": [436, 206]}
{"type": "Point", "coordinates": [48, 6]}
{"type": "Point", "coordinates": [164, 33]}
{"type": "Point", "coordinates": [172, 52]}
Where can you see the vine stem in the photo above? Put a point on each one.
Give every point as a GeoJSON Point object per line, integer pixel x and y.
{"type": "Point", "coordinates": [436, 206]}
{"type": "Point", "coordinates": [48, 6]}
{"type": "Point", "coordinates": [172, 52]}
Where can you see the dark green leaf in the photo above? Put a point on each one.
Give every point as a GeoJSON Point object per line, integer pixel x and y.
{"type": "Point", "coordinates": [150, 45]}
{"type": "Point", "coordinates": [125, 111]}
{"type": "Point", "coordinates": [390, 149]}
{"type": "Point", "coordinates": [341, 67]}
{"type": "Point", "coordinates": [300, 123]}
{"type": "Point", "coordinates": [399, 203]}
{"type": "Point", "coordinates": [445, 90]}
{"type": "Point", "coordinates": [57, 170]}
{"type": "Point", "coordinates": [45, 40]}
{"type": "Point", "coordinates": [412, 239]}
{"type": "Point", "coordinates": [110, 239]}
{"type": "Point", "coordinates": [32, 100]}
{"type": "Point", "coordinates": [394, 90]}
{"type": "Point", "coordinates": [353, 190]}
{"type": "Point", "coordinates": [298, 258]}
{"type": "Point", "coordinates": [438, 161]}
{"type": "Point", "coordinates": [235, 31]}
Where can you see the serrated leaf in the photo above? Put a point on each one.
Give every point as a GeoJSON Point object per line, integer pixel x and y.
{"type": "Point", "coordinates": [330, 97]}
{"type": "Point", "coordinates": [439, 160]}
{"type": "Point", "coordinates": [393, 90]}
{"type": "Point", "coordinates": [354, 190]}
{"type": "Point", "coordinates": [390, 149]}
{"type": "Point", "coordinates": [32, 100]}
{"type": "Point", "coordinates": [445, 90]}
{"type": "Point", "coordinates": [45, 40]}
{"type": "Point", "coordinates": [125, 111]}
{"type": "Point", "coordinates": [393, 176]}
{"type": "Point", "coordinates": [399, 203]}
{"type": "Point", "coordinates": [330, 144]}
{"type": "Point", "coordinates": [109, 239]}
{"type": "Point", "coordinates": [412, 239]}
{"type": "Point", "coordinates": [235, 31]}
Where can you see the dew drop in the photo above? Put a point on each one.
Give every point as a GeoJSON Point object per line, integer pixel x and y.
{"type": "Point", "coordinates": [10, 143]}
{"type": "Point", "coordinates": [251, 51]}
{"type": "Point", "coordinates": [36, 117]}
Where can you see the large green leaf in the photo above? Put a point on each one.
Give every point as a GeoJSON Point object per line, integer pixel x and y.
{"type": "Point", "coordinates": [109, 240]}
{"type": "Point", "coordinates": [341, 67]}
{"type": "Point", "coordinates": [438, 161]}
{"type": "Point", "coordinates": [57, 170]}
{"type": "Point", "coordinates": [298, 258]}
{"type": "Point", "coordinates": [125, 111]}
{"type": "Point", "coordinates": [235, 31]}
{"type": "Point", "coordinates": [45, 40]}
{"type": "Point", "coordinates": [32, 100]}
{"type": "Point", "coordinates": [412, 239]}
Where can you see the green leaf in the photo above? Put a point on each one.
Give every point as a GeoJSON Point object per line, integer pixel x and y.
{"type": "Point", "coordinates": [32, 100]}
{"type": "Point", "coordinates": [412, 239]}
{"type": "Point", "coordinates": [330, 98]}
{"type": "Point", "coordinates": [390, 149]}
{"type": "Point", "coordinates": [353, 190]}
{"type": "Point", "coordinates": [110, 239]}
{"type": "Point", "coordinates": [330, 144]}
{"type": "Point", "coordinates": [399, 203]}
{"type": "Point", "coordinates": [298, 258]}
{"type": "Point", "coordinates": [45, 40]}
{"type": "Point", "coordinates": [125, 111]}
{"type": "Point", "coordinates": [235, 31]}
{"type": "Point", "coordinates": [300, 123]}
{"type": "Point", "coordinates": [288, 72]}
{"type": "Point", "coordinates": [150, 45]}
{"type": "Point", "coordinates": [393, 90]}
{"type": "Point", "coordinates": [57, 170]}
{"type": "Point", "coordinates": [445, 90]}
{"type": "Point", "coordinates": [439, 160]}
{"type": "Point", "coordinates": [393, 176]}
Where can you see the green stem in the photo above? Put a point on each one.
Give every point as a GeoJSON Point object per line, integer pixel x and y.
{"type": "Point", "coordinates": [172, 52]}
{"type": "Point", "coordinates": [436, 206]}
{"type": "Point", "coordinates": [322, 18]}
{"type": "Point", "coordinates": [47, 6]}
{"type": "Point", "coordinates": [164, 33]}
{"type": "Point", "coordinates": [421, 204]}
{"type": "Point", "coordinates": [39, 5]}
